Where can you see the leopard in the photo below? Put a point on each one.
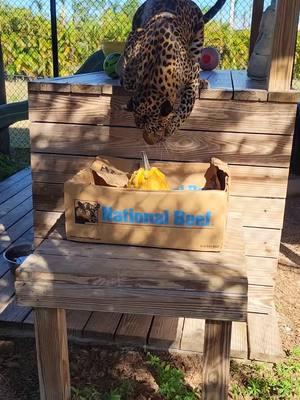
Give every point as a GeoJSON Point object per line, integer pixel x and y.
{"type": "Point", "coordinates": [160, 65]}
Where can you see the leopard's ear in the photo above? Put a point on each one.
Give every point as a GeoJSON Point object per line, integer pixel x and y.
{"type": "Point", "coordinates": [166, 108]}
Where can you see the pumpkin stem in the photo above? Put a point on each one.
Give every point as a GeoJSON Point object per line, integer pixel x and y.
{"type": "Point", "coordinates": [145, 161]}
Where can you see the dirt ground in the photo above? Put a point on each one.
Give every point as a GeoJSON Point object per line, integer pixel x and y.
{"type": "Point", "coordinates": [107, 368]}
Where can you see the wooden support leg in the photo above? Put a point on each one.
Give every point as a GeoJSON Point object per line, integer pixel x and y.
{"type": "Point", "coordinates": [52, 354]}
{"type": "Point", "coordinates": [216, 359]}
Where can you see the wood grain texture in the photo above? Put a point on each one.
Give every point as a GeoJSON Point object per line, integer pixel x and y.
{"type": "Point", "coordinates": [165, 332]}
{"type": "Point", "coordinates": [15, 215]}
{"type": "Point", "coordinates": [257, 11]}
{"type": "Point", "coordinates": [246, 181]}
{"type": "Point", "coordinates": [246, 89]}
{"type": "Point", "coordinates": [53, 366]}
{"type": "Point", "coordinates": [13, 313]}
{"type": "Point", "coordinates": [261, 270]}
{"type": "Point", "coordinates": [133, 329]}
{"type": "Point", "coordinates": [13, 179]}
{"type": "Point", "coordinates": [7, 289]}
{"type": "Point", "coordinates": [284, 42]}
{"type": "Point", "coordinates": [199, 146]}
{"type": "Point", "coordinates": [15, 201]}
{"type": "Point", "coordinates": [138, 301]}
{"type": "Point", "coordinates": [239, 342]}
{"type": "Point", "coordinates": [224, 115]}
{"type": "Point", "coordinates": [102, 326]}
{"type": "Point", "coordinates": [219, 85]}
{"type": "Point", "coordinates": [15, 188]}
{"type": "Point", "coordinates": [13, 233]}
{"type": "Point", "coordinates": [216, 360]}
{"type": "Point", "coordinates": [76, 321]}
{"type": "Point", "coordinates": [291, 96]}
{"type": "Point", "coordinates": [193, 335]}
{"type": "Point", "coordinates": [261, 242]}
{"type": "Point", "coordinates": [264, 338]}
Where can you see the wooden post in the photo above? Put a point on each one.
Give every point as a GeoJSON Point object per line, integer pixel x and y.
{"type": "Point", "coordinates": [4, 132]}
{"type": "Point", "coordinates": [216, 359]}
{"type": "Point", "coordinates": [257, 12]}
{"type": "Point", "coordinates": [52, 354]}
{"type": "Point", "coordinates": [283, 53]}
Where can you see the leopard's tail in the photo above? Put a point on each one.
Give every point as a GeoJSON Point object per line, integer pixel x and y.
{"type": "Point", "coordinates": [214, 10]}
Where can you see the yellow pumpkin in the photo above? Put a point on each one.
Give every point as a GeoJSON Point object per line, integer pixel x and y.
{"type": "Point", "coordinates": [148, 179]}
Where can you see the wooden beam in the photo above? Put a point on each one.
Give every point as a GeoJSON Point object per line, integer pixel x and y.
{"type": "Point", "coordinates": [257, 12]}
{"type": "Point", "coordinates": [52, 354]}
{"type": "Point", "coordinates": [216, 359]}
{"type": "Point", "coordinates": [283, 53]}
{"type": "Point", "coordinates": [4, 132]}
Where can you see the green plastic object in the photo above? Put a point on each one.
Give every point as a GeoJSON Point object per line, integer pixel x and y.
{"type": "Point", "coordinates": [110, 64]}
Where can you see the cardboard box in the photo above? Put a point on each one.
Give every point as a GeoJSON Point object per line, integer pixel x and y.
{"type": "Point", "coordinates": [184, 218]}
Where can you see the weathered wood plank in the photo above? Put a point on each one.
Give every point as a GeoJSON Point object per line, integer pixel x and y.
{"type": "Point", "coordinates": [13, 179]}
{"type": "Point", "coordinates": [7, 289]}
{"type": "Point", "coordinates": [264, 338]}
{"type": "Point", "coordinates": [247, 181]}
{"type": "Point", "coordinates": [166, 332]}
{"type": "Point", "coordinates": [171, 303]}
{"type": "Point", "coordinates": [76, 321]}
{"type": "Point", "coordinates": [13, 313]}
{"type": "Point", "coordinates": [260, 299]}
{"type": "Point", "coordinates": [248, 89]}
{"type": "Point", "coordinates": [284, 42]}
{"type": "Point", "coordinates": [133, 329]}
{"type": "Point", "coordinates": [200, 146]}
{"type": "Point", "coordinates": [193, 335]}
{"type": "Point", "coordinates": [175, 274]}
{"type": "Point", "coordinates": [239, 344]}
{"type": "Point", "coordinates": [290, 96]}
{"type": "Point", "coordinates": [15, 231]}
{"type": "Point", "coordinates": [15, 215]}
{"type": "Point", "coordinates": [261, 242]}
{"type": "Point", "coordinates": [261, 270]}
{"type": "Point", "coordinates": [15, 188]}
{"type": "Point", "coordinates": [53, 366]}
{"type": "Point", "coordinates": [225, 115]}
{"type": "Point", "coordinates": [219, 85]}
{"type": "Point", "coordinates": [216, 360]}
{"type": "Point", "coordinates": [102, 326]}
{"type": "Point", "coordinates": [15, 201]}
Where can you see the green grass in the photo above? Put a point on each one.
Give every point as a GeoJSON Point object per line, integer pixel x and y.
{"type": "Point", "coordinates": [251, 381]}
{"type": "Point", "coordinates": [124, 392]}
{"type": "Point", "coordinates": [268, 382]}
{"type": "Point", "coordinates": [170, 381]}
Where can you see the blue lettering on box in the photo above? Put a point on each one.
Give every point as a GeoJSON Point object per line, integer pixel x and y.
{"type": "Point", "coordinates": [180, 217]}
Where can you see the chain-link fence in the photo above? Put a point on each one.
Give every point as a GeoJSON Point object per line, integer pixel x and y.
{"type": "Point", "coordinates": [82, 25]}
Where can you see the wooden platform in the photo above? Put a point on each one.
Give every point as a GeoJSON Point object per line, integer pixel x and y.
{"type": "Point", "coordinates": [257, 340]}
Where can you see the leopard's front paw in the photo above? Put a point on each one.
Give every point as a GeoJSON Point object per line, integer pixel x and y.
{"type": "Point", "coordinates": [203, 84]}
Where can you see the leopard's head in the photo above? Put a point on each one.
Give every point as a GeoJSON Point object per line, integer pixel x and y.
{"type": "Point", "coordinates": [152, 112]}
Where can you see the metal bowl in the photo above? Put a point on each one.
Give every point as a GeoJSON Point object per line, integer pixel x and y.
{"type": "Point", "coordinates": [16, 255]}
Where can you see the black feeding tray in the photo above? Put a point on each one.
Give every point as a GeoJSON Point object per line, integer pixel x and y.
{"type": "Point", "coordinates": [17, 254]}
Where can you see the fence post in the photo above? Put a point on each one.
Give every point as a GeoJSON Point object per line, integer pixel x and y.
{"type": "Point", "coordinates": [54, 38]}
{"type": "Point", "coordinates": [4, 132]}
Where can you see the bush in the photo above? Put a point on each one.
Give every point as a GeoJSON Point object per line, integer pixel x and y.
{"type": "Point", "coordinates": [27, 44]}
